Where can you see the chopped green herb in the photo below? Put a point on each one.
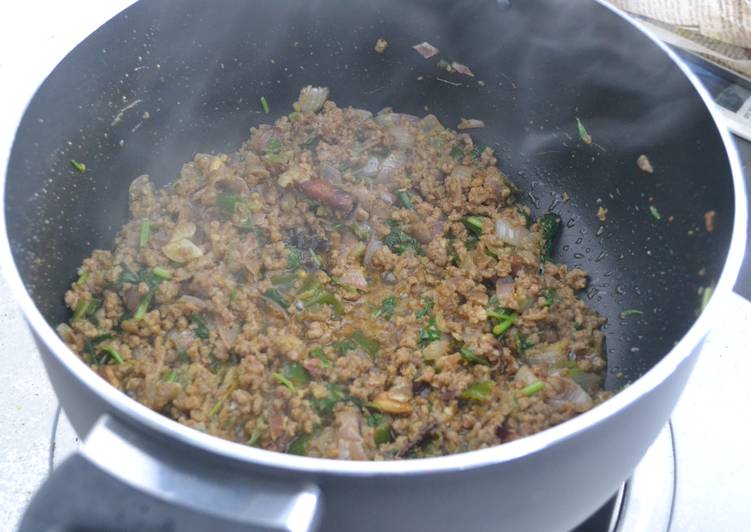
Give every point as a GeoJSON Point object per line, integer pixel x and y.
{"type": "Point", "coordinates": [309, 288]}
{"type": "Point", "coordinates": [387, 308]}
{"type": "Point", "coordinates": [525, 215]}
{"type": "Point", "coordinates": [549, 297]}
{"type": "Point", "coordinates": [324, 297]}
{"type": "Point", "coordinates": [145, 233]}
{"type": "Point", "coordinates": [284, 381]}
{"type": "Point", "coordinates": [479, 391]}
{"type": "Point", "coordinates": [255, 437]}
{"type": "Point", "coordinates": [362, 232]}
{"type": "Point", "coordinates": [477, 151]}
{"type": "Point", "coordinates": [274, 295]}
{"type": "Point", "coordinates": [127, 276]}
{"type": "Point", "coordinates": [344, 346]}
{"type": "Point", "coordinates": [404, 199]}
{"type": "Point", "coordinates": [586, 137]}
{"type": "Point", "coordinates": [143, 307]}
{"type": "Point", "coordinates": [79, 167]}
{"type": "Point", "coordinates": [284, 279]}
{"type": "Point", "coordinates": [273, 145]}
{"type": "Point", "coordinates": [369, 345]}
{"type": "Point", "coordinates": [398, 241]}
{"type": "Point", "coordinates": [294, 259]}
{"type": "Point", "coordinates": [296, 373]}
{"type": "Point", "coordinates": [113, 354]}
{"type": "Point", "coordinates": [324, 406]}
{"type": "Point", "coordinates": [320, 354]}
{"type": "Point", "coordinates": [426, 309]}
{"type": "Point", "coordinates": [469, 355]}
{"type": "Point", "coordinates": [706, 295]}
{"type": "Point", "coordinates": [505, 320]}
{"type": "Point", "coordinates": [457, 153]}
{"type": "Point", "coordinates": [246, 226]}
{"type": "Point", "coordinates": [226, 202]}
{"type": "Point", "coordinates": [474, 224]}
{"type": "Point", "coordinates": [533, 388]}
{"type": "Point", "coordinates": [82, 278]}
{"type": "Point", "coordinates": [631, 312]}
{"type": "Point", "coordinates": [300, 446]}
{"type": "Point", "coordinates": [453, 254]}
{"type": "Point", "coordinates": [500, 314]}
{"type": "Point", "coordinates": [182, 354]}
{"type": "Point", "coordinates": [161, 272]}
{"type": "Point", "coordinates": [314, 258]}
{"type": "Point", "coordinates": [654, 212]}
{"type": "Point", "coordinates": [201, 329]}
{"type": "Point", "coordinates": [429, 333]}
{"type": "Point", "coordinates": [218, 405]}
{"type": "Point", "coordinates": [233, 295]}
{"type": "Point", "coordinates": [550, 226]}
{"type": "Point", "coordinates": [471, 242]}
{"type": "Point", "coordinates": [381, 428]}
{"type": "Point", "coordinates": [504, 326]}
{"type": "Point", "coordinates": [523, 344]}
{"type": "Point", "coordinates": [264, 104]}
{"type": "Point", "coordinates": [84, 309]}
{"type": "Point", "coordinates": [171, 376]}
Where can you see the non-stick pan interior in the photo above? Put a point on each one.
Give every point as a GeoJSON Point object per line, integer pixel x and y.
{"type": "Point", "coordinates": [166, 79]}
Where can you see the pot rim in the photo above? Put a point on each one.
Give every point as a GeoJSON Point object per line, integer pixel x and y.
{"type": "Point", "coordinates": [507, 452]}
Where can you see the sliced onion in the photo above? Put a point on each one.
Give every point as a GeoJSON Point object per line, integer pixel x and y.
{"type": "Point", "coordinates": [261, 136]}
{"type": "Point", "coordinates": [66, 333]}
{"type": "Point", "coordinates": [504, 287]}
{"type": "Point", "coordinates": [435, 350]}
{"type": "Point", "coordinates": [551, 355]}
{"type": "Point", "coordinates": [509, 234]}
{"type": "Point", "coordinates": [429, 123]}
{"type": "Point", "coordinates": [351, 445]}
{"type": "Point", "coordinates": [331, 174]}
{"type": "Point", "coordinates": [391, 164]}
{"type": "Point", "coordinates": [183, 230]}
{"type": "Point", "coordinates": [388, 118]}
{"type": "Point", "coordinates": [403, 137]}
{"type": "Point", "coordinates": [387, 197]}
{"type": "Point", "coordinates": [373, 246]}
{"type": "Point", "coordinates": [589, 381]}
{"type": "Point", "coordinates": [567, 392]}
{"type": "Point", "coordinates": [228, 332]}
{"type": "Point", "coordinates": [131, 298]}
{"type": "Point", "coordinates": [525, 376]}
{"type": "Point", "coordinates": [462, 69]}
{"type": "Point", "coordinates": [470, 123]}
{"type": "Point", "coordinates": [312, 98]}
{"type": "Point", "coordinates": [181, 339]}
{"type": "Point", "coordinates": [354, 278]}
{"type": "Point", "coordinates": [361, 114]}
{"type": "Point", "coordinates": [401, 390]}
{"type": "Point", "coordinates": [371, 167]}
{"type": "Point", "coordinates": [235, 184]}
{"type": "Point", "coordinates": [182, 250]}
{"type": "Point", "coordinates": [426, 49]}
{"type": "Point", "coordinates": [195, 303]}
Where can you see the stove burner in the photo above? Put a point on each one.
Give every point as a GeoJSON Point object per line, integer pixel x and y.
{"type": "Point", "coordinates": [645, 501]}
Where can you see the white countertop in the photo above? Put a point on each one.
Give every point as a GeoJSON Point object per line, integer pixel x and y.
{"type": "Point", "coordinates": [710, 422]}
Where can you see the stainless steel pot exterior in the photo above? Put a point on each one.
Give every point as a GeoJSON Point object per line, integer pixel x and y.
{"type": "Point", "coordinates": [550, 489]}
{"type": "Point", "coordinates": [548, 481]}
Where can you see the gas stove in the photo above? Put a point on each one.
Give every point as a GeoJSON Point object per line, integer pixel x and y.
{"type": "Point", "coordinates": [693, 477]}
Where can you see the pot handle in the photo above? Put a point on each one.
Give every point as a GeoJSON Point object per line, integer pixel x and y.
{"type": "Point", "coordinates": [122, 480]}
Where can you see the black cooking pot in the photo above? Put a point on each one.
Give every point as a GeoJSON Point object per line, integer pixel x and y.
{"type": "Point", "coordinates": [199, 68]}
